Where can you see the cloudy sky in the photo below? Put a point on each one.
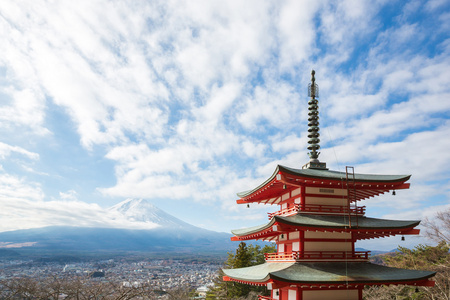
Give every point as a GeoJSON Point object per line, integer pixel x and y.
{"type": "Point", "coordinates": [187, 103]}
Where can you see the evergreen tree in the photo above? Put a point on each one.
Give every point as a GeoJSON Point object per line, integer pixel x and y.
{"type": "Point", "coordinates": [422, 257]}
{"type": "Point", "coordinates": [245, 256]}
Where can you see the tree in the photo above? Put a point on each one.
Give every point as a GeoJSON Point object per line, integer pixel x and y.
{"type": "Point", "coordinates": [73, 287]}
{"type": "Point", "coordinates": [245, 256]}
{"type": "Point", "coordinates": [422, 257]}
{"type": "Point", "coordinates": [438, 229]}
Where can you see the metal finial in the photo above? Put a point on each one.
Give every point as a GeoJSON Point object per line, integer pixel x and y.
{"type": "Point", "coordinates": [313, 88]}
{"type": "Point", "coordinates": [313, 119]}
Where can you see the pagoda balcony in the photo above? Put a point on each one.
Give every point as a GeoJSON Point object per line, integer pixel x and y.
{"type": "Point", "coordinates": [319, 209]}
{"type": "Point", "coordinates": [285, 212]}
{"type": "Point", "coordinates": [317, 256]}
{"type": "Point", "coordinates": [265, 298]}
{"type": "Point", "coordinates": [334, 209]}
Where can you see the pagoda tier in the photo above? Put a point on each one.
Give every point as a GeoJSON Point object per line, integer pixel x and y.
{"type": "Point", "coordinates": [297, 278]}
{"type": "Point", "coordinates": [327, 274]}
{"type": "Point", "coordinates": [286, 183]}
{"type": "Point", "coordinates": [354, 227]}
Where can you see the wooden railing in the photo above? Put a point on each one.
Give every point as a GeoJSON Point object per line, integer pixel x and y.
{"type": "Point", "coordinates": [285, 212]}
{"type": "Point", "coordinates": [317, 255]}
{"type": "Point", "coordinates": [317, 208]}
{"type": "Point", "coordinates": [265, 298]}
{"type": "Point", "coordinates": [335, 209]}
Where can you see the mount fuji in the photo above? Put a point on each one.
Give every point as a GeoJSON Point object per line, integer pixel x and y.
{"type": "Point", "coordinates": [143, 212]}
{"type": "Point", "coordinates": [133, 225]}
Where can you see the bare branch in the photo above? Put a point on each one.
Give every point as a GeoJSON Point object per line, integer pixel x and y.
{"type": "Point", "coordinates": [438, 229]}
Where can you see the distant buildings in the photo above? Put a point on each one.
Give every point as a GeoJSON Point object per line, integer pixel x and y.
{"type": "Point", "coordinates": [163, 275]}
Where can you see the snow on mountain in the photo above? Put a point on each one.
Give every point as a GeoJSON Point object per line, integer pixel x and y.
{"type": "Point", "coordinates": [132, 225]}
{"type": "Point", "coordinates": [142, 211]}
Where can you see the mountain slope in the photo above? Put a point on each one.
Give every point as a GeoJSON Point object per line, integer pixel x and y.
{"type": "Point", "coordinates": [115, 239]}
{"type": "Point", "coordinates": [140, 210]}
{"type": "Point", "coordinates": [165, 233]}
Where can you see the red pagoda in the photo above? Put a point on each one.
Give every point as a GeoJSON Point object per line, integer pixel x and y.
{"type": "Point", "coordinates": [316, 227]}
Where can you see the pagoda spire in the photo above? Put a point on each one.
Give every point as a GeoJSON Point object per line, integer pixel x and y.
{"type": "Point", "coordinates": [313, 126]}
{"type": "Point", "coordinates": [313, 119]}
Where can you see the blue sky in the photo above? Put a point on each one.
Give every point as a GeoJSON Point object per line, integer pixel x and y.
{"type": "Point", "coordinates": [187, 103]}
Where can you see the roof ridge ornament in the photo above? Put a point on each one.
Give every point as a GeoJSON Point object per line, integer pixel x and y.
{"type": "Point", "coordinates": [313, 126]}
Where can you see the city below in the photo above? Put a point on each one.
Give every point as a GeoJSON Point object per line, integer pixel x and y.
{"type": "Point", "coordinates": [160, 275]}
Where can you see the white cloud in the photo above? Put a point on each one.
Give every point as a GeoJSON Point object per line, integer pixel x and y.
{"type": "Point", "coordinates": [274, 103]}
{"type": "Point", "coordinates": [70, 195]}
{"type": "Point", "coordinates": [290, 143]}
{"type": "Point", "coordinates": [296, 32]}
{"type": "Point", "coordinates": [199, 100]}
{"type": "Point", "coordinates": [253, 150]}
{"type": "Point", "coordinates": [25, 214]}
{"type": "Point", "coordinates": [434, 4]}
{"type": "Point", "coordinates": [6, 150]}
{"type": "Point", "coordinates": [15, 188]}
{"type": "Point", "coordinates": [418, 214]}
{"type": "Point", "coordinates": [23, 207]}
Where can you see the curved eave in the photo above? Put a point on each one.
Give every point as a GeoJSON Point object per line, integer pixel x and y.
{"type": "Point", "coordinates": [335, 273]}
{"type": "Point", "coordinates": [336, 175]}
{"type": "Point", "coordinates": [364, 227]}
{"type": "Point", "coordinates": [259, 273]}
{"type": "Point", "coordinates": [270, 179]}
{"type": "Point", "coordinates": [369, 184]}
{"type": "Point", "coordinates": [254, 229]}
{"type": "Point", "coordinates": [360, 222]}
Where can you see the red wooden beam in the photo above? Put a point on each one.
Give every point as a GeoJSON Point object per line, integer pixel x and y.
{"type": "Point", "coordinates": [276, 284]}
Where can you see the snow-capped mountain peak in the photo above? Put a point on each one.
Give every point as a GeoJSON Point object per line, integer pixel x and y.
{"type": "Point", "coordinates": [141, 210]}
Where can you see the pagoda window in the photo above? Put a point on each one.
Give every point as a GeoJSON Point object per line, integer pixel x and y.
{"type": "Point", "coordinates": [328, 246]}
{"type": "Point", "coordinates": [275, 294]}
{"type": "Point", "coordinates": [292, 295]}
{"type": "Point", "coordinates": [328, 235]}
{"type": "Point", "coordinates": [296, 246]}
{"type": "Point", "coordinates": [295, 192]}
{"type": "Point", "coordinates": [326, 201]}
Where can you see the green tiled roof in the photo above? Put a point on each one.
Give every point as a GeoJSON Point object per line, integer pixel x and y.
{"type": "Point", "coordinates": [258, 273]}
{"type": "Point", "coordinates": [317, 173]}
{"type": "Point", "coordinates": [330, 175]}
{"type": "Point", "coordinates": [315, 221]}
{"type": "Point", "coordinates": [326, 272]}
